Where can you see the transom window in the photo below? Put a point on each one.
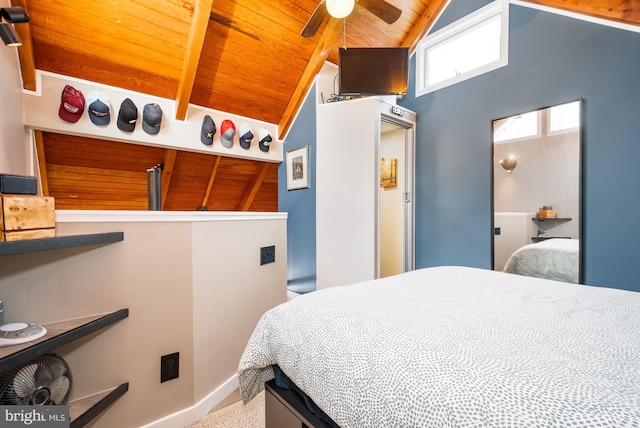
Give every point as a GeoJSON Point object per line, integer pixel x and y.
{"type": "Point", "coordinates": [558, 119]}
{"type": "Point", "coordinates": [518, 127]}
{"type": "Point", "coordinates": [564, 118]}
{"type": "Point", "coordinates": [473, 45]}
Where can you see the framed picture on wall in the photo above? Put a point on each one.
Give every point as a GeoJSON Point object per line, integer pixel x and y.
{"type": "Point", "coordinates": [388, 172]}
{"type": "Point", "coordinates": [298, 168]}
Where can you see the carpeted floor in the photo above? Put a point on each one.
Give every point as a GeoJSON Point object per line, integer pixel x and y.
{"type": "Point", "coordinates": [236, 415]}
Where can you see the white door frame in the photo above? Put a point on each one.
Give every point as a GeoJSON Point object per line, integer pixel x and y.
{"type": "Point", "coordinates": [408, 197]}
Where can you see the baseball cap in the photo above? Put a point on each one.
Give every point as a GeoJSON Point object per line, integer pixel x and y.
{"type": "Point", "coordinates": [265, 139]}
{"type": "Point", "coordinates": [208, 130]}
{"type": "Point", "coordinates": [245, 136]}
{"type": "Point", "coordinates": [71, 104]}
{"type": "Point", "coordinates": [98, 108]}
{"type": "Point", "coordinates": [227, 133]}
{"type": "Point", "coordinates": [128, 116]}
{"type": "Point", "coordinates": [151, 118]}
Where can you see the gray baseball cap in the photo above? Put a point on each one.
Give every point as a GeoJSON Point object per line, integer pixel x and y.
{"type": "Point", "coordinates": [207, 131]}
{"type": "Point", "coordinates": [151, 118]}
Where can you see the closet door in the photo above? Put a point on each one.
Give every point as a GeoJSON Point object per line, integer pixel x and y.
{"type": "Point", "coordinates": [346, 192]}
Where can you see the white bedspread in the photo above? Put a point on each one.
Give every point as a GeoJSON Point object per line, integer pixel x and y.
{"type": "Point", "coordinates": [457, 347]}
{"type": "Point", "coordinates": [557, 259]}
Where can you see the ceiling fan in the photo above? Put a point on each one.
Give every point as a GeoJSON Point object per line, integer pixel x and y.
{"type": "Point", "coordinates": [380, 8]}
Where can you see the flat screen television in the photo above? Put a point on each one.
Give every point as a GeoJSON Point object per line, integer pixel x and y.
{"type": "Point", "coordinates": [373, 71]}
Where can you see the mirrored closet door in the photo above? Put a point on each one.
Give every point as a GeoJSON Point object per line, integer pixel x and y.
{"type": "Point", "coordinates": [536, 193]}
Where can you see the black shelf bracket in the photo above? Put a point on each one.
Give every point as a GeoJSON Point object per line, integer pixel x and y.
{"type": "Point", "coordinates": [99, 407]}
{"type": "Point", "coordinates": [49, 345]}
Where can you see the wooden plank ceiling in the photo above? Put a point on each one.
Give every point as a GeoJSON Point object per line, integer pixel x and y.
{"type": "Point", "coordinates": [85, 173]}
{"type": "Point", "coordinates": [244, 57]}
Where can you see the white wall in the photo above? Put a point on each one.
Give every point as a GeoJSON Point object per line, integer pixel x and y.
{"type": "Point", "coordinates": [14, 152]}
{"type": "Point", "coordinates": [193, 284]}
{"type": "Point", "coordinates": [231, 291]}
{"type": "Point", "coordinates": [516, 230]}
{"type": "Point", "coordinates": [327, 83]}
{"type": "Point", "coordinates": [548, 173]}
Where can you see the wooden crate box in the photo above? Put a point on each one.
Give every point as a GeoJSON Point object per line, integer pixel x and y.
{"type": "Point", "coordinates": [21, 235]}
{"type": "Point", "coordinates": [21, 213]}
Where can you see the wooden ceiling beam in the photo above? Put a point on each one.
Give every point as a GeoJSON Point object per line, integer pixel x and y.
{"type": "Point", "coordinates": [426, 20]}
{"type": "Point", "coordinates": [628, 12]}
{"type": "Point", "coordinates": [25, 52]}
{"type": "Point", "coordinates": [323, 48]}
{"type": "Point", "coordinates": [195, 42]}
{"type": "Point", "coordinates": [167, 172]}
{"type": "Point", "coordinates": [42, 162]}
{"type": "Point", "coordinates": [625, 11]}
{"type": "Point", "coordinates": [255, 186]}
{"type": "Point", "coordinates": [212, 178]}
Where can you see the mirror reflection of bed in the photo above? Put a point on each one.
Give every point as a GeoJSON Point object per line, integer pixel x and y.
{"type": "Point", "coordinates": [536, 193]}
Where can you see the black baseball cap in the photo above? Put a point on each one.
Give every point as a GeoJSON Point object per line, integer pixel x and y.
{"type": "Point", "coordinates": [128, 116]}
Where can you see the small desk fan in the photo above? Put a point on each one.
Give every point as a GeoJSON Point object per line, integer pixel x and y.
{"type": "Point", "coordinates": [45, 380]}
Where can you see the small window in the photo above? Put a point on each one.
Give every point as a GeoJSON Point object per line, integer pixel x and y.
{"type": "Point", "coordinates": [470, 46]}
{"type": "Point", "coordinates": [518, 127]}
{"type": "Point", "coordinates": [564, 118]}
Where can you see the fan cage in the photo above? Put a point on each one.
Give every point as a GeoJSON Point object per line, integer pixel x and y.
{"type": "Point", "coordinates": [45, 380]}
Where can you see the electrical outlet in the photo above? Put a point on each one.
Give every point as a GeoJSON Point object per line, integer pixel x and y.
{"type": "Point", "coordinates": [169, 367]}
{"type": "Point", "coordinates": [267, 255]}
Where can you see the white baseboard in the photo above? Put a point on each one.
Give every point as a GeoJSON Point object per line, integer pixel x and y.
{"type": "Point", "coordinates": [196, 412]}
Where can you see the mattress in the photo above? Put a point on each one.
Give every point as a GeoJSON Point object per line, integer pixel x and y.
{"type": "Point", "coordinates": [455, 346]}
{"type": "Point", "coordinates": [557, 259]}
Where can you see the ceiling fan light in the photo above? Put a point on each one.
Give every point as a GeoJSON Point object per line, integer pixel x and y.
{"type": "Point", "coordinates": [340, 8]}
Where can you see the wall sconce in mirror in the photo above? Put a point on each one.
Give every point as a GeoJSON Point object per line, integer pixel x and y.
{"type": "Point", "coordinates": [12, 15]}
{"type": "Point", "coordinates": [509, 163]}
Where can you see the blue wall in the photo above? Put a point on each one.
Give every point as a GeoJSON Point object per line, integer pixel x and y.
{"type": "Point", "coordinates": [552, 59]}
{"type": "Point", "coordinates": [301, 204]}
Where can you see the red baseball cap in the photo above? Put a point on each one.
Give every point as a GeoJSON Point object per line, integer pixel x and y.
{"type": "Point", "coordinates": [227, 133]}
{"type": "Point", "coordinates": [71, 104]}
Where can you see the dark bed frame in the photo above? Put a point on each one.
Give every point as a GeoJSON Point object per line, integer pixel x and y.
{"type": "Point", "coordinates": [285, 408]}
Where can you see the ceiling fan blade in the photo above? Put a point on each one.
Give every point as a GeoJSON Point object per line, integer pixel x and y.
{"type": "Point", "coordinates": [382, 9]}
{"type": "Point", "coordinates": [314, 22]}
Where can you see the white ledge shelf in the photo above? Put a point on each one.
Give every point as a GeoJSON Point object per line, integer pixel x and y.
{"type": "Point", "coordinates": [111, 216]}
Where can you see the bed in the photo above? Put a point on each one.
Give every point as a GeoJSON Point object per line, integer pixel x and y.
{"type": "Point", "coordinates": [556, 258]}
{"type": "Point", "coordinates": [453, 347]}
